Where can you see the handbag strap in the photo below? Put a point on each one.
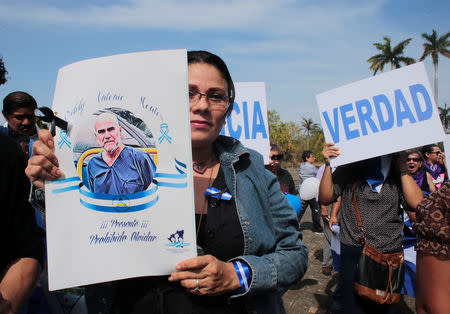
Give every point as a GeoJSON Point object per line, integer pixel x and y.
{"type": "Point", "coordinates": [358, 216]}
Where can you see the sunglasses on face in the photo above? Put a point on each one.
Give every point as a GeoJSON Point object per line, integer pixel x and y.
{"type": "Point", "coordinates": [277, 157]}
{"type": "Point", "coordinates": [413, 159]}
{"type": "Point", "coordinates": [437, 153]}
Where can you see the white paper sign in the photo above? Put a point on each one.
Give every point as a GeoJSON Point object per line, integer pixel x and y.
{"type": "Point", "coordinates": [248, 120]}
{"type": "Point", "coordinates": [379, 115]}
{"type": "Point", "coordinates": [129, 214]}
{"type": "Point", "coordinates": [447, 150]}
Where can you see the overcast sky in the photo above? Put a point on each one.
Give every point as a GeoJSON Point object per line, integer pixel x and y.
{"type": "Point", "coordinates": [298, 48]}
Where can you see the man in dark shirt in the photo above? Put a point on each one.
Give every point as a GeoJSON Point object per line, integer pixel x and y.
{"type": "Point", "coordinates": [18, 110]}
{"type": "Point", "coordinates": [22, 241]}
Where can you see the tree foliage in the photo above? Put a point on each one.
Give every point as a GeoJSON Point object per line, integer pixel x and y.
{"type": "Point", "coordinates": [433, 46]}
{"type": "Point", "coordinates": [3, 72]}
{"type": "Point", "coordinates": [389, 55]}
{"type": "Point", "coordinates": [293, 138]}
{"type": "Point", "coordinates": [444, 114]}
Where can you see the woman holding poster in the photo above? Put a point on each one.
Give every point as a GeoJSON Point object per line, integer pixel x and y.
{"type": "Point", "coordinates": [379, 185]}
{"type": "Point", "coordinates": [250, 249]}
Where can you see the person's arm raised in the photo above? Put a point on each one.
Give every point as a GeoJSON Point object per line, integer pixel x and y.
{"type": "Point", "coordinates": [326, 188]}
{"type": "Point", "coordinates": [44, 164]}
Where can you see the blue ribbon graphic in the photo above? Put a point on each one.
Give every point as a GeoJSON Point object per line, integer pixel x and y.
{"type": "Point", "coordinates": [164, 129]}
{"type": "Point", "coordinates": [63, 139]}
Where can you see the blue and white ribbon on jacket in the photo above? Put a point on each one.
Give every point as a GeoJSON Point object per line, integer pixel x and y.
{"type": "Point", "coordinates": [123, 202]}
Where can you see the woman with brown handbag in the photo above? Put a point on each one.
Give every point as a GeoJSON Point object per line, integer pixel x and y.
{"type": "Point", "coordinates": [378, 186]}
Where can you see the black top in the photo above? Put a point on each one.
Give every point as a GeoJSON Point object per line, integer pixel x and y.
{"type": "Point", "coordinates": [18, 230]}
{"type": "Point", "coordinates": [287, 184]}
{"type": "Point", "coordinates": [220, 235]}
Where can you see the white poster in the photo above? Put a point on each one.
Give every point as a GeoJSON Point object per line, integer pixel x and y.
{"type": "Point", "coordinates": [386, 113]}
{"type": "Point", "coordinates": [125, 206]}
{"type": "Point", "coordinates": [248, 120]}
{"type": "Point", "coordinates": [447, 150]}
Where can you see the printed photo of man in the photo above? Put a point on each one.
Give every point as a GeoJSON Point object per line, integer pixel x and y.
{"type": "Point", "coordinates": [118, 169]}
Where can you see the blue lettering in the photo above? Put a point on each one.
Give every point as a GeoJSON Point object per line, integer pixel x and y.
{"type": "Point", "coordinates": [365, 117]}
{"type": "Point", "coordinates": [347, 121]}
{"type": "Point", "coordinates": [389, 122]}
{"type": "Point", "coordinates": [234, 133]}
{"type": "Point", "coordinates": [414, 90]}
{"type": "Point", "coordinates": [334, 131]}
{"type": "Point", "coordinates": [400, 102]}
{"type": "Point", "coordinates": [258, 127]}
{"type": "Point", "coordinates": [245, 110]}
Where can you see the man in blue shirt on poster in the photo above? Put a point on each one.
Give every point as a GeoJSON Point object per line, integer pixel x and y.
{"type": "Point", "coordinates": [118, 169]}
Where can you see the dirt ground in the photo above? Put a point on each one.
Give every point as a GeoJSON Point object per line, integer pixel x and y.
{"type": "Point", "coordinates": [314, 292]}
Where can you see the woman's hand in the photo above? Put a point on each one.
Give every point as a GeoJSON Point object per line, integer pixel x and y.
{"type": "Point", "coordinates": [214, 277]}
{"type": "Point", "coordinates": [329, 151]}
{"type": "Point", "coordinates": [44, 164]}
{"type": "Point", "coordinates": [333, 221]}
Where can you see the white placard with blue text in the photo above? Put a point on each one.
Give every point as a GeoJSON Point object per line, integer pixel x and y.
{"type": "Point", "coordinates": [386, 113]}
{"type": "Point", "coordinates": [94, 233]}
{"type": "Point", "coordinates": [248, 120]}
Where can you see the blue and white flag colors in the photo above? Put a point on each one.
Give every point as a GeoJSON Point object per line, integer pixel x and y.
{"type": "Point", "coordinates": [124, 203]}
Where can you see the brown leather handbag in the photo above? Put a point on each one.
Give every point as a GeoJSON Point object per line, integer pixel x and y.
{"type": "Point", "coordinates": [379, 276]}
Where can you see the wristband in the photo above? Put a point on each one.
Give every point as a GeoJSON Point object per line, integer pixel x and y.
{"type": "Point", "coordinates": [243, 273]}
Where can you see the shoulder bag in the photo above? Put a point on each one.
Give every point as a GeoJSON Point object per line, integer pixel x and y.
{"type": "Point", "coordinates": [379, 276]}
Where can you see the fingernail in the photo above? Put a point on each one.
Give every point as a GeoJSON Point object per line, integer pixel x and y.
{"type": "Point", "coordinates": [170, 278]}
{"type": "Point", "coordinates": [58, 172]}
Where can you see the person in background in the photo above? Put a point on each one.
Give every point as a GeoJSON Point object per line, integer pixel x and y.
{"type": "Point", "coordinates": [22, 241]}
{"type": "Point", "coordinates": [287, 184]}
{"type": "Point", "coordinates": [435, 163]}
{"type": "Point", "coordinates": [423, 178]}
{"type": "Point", "coordinates": [325, 211]}
{"type": "Point", "coordinates": [380, 186]}
{"type": "Point", "coordinates": [18, 110]}
{"type": "Point", "coordinates": [308, 170]}
{"type": "Point", "coordinates": [250, 247]}
{"type": "Point", "coordinates": [433, 252]}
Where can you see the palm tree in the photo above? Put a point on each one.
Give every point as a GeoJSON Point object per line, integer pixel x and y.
{"type": "Point", "coordinates": [308, 126]}
{"type": "Point", "coordinates": [444, 114]}
{"type": "Point", "coordinates": [3, 72]}
{"type": "Point", "coordinates": [434, 46]}
{"type": "Point", "coordinates": [394, 56]}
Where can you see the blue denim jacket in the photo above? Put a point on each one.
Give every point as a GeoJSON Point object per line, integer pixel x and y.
{"type": "Point", "coordinates": [273, 247]}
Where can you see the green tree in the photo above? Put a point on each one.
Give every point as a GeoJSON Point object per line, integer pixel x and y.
{"type": "Point", "coordinates": [3, 72]}
{"type": "Point", "coordinates": [394, 56]}
{"type": "Point", "coordinates": [434, 46]}
{"type": "Point", "coordinates": [285, 134]}
{"type": "Point", "coordinates": [307, 125]}
{"type": "Point", "coordinates": [444, 114]}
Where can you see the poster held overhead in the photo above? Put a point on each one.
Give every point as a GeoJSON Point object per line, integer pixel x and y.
{"type": "Point", "coordinates": [125, 206]}
{"type": "Point", "coordinates": [383, 114]}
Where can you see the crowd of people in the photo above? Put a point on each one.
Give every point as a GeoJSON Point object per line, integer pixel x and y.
{"type": "Point", "coordinates": [250, 247]}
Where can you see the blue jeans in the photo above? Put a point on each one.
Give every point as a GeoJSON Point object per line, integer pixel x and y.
{"type": "Point", "coordinates": [352, 303]}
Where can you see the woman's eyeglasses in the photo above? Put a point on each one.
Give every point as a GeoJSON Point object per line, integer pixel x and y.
{"type": "Point", "coordinates": [437, 153]}
{"type": "Point", "coordinates": [213, 98]}
{"type": "Point", "coordinates": [277, 157]}
{"type": "Point", "coordinates": [413, 159]}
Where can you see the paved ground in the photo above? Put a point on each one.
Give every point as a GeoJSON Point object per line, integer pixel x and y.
{"type": "Point", "coordinates": [313, 293]}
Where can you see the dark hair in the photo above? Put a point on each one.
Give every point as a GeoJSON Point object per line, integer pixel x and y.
{"type": "Point", "coordinates": [201, 56]}
{"type": "Point", "coordinates": [414, 151]}
{"type": "Point", "coordinates": [275, 147]}
{"type": "Point", "coordinates": [306, 154]}
{"type": "Point", "coordinates": [428, 149]}
{"type": "Point", "coordinates": [17, 100]}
